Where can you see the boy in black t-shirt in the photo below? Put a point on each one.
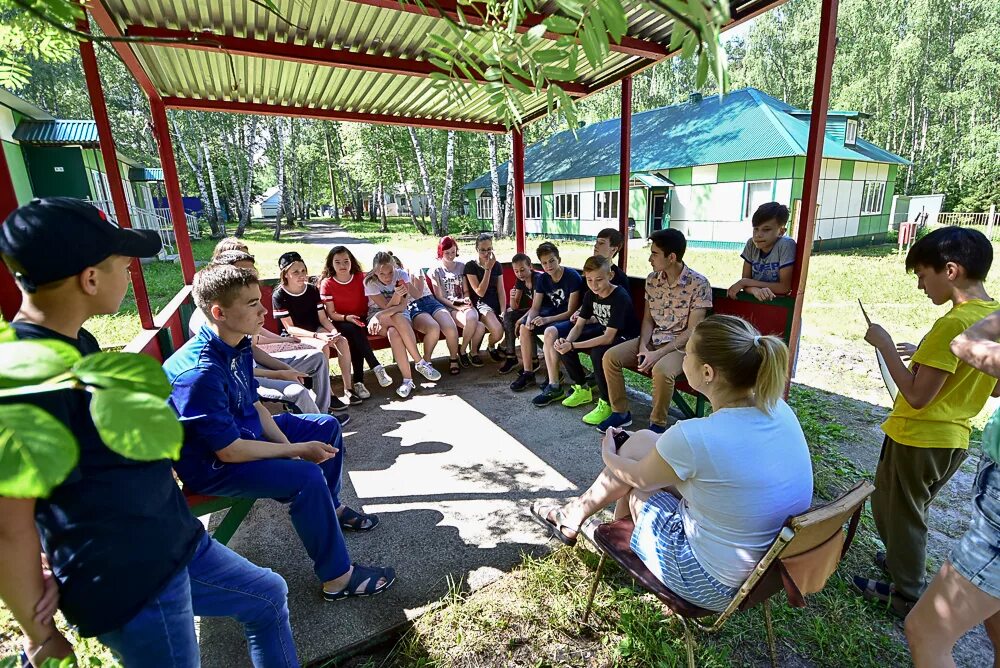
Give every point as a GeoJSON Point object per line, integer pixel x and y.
{"type": "Point", "coordinates": [521, 296]}
{"type": "Point", "coordinates": [133, 566]}
{"type": "Point", "coordinates": [606, 319]}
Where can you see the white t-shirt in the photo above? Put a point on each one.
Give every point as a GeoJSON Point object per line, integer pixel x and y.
{"type": "Point", "coordinates": [375, 287]}
{"type": "Point", "coordinates": [742, 473]}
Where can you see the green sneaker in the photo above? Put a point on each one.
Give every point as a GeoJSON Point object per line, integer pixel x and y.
{"type": "Point", "coordinates": [581, 395]}
{"type": "Point", "coordinates": [599, 414]}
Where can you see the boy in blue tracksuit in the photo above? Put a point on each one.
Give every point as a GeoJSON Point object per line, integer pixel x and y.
{"type": "Point", "coordinates": [234, 447]}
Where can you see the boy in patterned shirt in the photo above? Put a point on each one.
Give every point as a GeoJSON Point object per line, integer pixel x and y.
{"type": "Point", "coordinates": [677, 299]}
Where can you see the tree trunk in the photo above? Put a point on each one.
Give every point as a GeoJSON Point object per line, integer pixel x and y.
{"type": "Point", "coordinates": [282, 190]}
{"type": "Point", "coordinates": [216, 203]}
{"type": "Point", "coordinates": [491, 140]}
{"type": "Point", "coordinates": [380, 193]}
{"type": "Point", "coordinates": [251, 146]}
{"type": "Point", "coordinates": [426, 179]}
{"type": "Point", "coordinates": [449, 173]}
{"type": "Point", "coordinates": [508, 209]}
{"type": "Point", "coordinates": [329, 173]}
{"type": "Point", "coordinates": [406, 192]}
{"type": "Point", "coordinates": [198, 175]}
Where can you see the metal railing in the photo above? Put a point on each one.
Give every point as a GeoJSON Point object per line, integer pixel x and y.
{"type": "Point", "coordinates": [988, 223]}
{"type": "Point", "coordinates": [155, 219]}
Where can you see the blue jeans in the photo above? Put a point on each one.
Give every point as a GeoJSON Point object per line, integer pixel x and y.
{"type": "Point", "coordinates": [216, 583]}
{"type": "Point", "coordinates": [977, 554]}
{"type": "Point", "coordinates": [312, 491]}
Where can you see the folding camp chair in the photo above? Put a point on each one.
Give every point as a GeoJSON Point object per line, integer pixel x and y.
{"type": "Point", "coordinates": [800, 560]}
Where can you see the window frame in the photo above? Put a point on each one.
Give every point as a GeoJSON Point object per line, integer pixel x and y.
{"type": "Point", "coordinates": [532, 207]}
{"type": "Point", "coordinates": [484, 204]}
{"type": "Point", "coordinates": [873, 191]}
{"type": "Point", "coordinates": [611, 199]}
{"type": "Point", "coordinates": [851, 132]}
{"type": "Point", "coordinates": [566, 206]}
{"type": "Point", "coordinates": [747, 214]}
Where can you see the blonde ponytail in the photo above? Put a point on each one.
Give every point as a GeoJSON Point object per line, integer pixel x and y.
{"type": "Point", "coordinates": [743, 357]}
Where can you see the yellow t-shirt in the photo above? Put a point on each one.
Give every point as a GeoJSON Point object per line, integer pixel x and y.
{"type": "Point", "coordinates": [945, 421]}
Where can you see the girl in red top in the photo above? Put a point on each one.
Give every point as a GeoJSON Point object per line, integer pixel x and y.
{"type": "Point", "coordinates": [342, 291]}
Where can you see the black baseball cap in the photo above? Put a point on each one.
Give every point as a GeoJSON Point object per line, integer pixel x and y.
{"type": "Point", "coordinates": [52, 238]}
{"type": "Point", "coordinates": [287, 259]}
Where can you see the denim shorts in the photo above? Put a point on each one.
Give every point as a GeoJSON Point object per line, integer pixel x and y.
{"type": "Point", "coordinates": [427, 304]}
{"type": "Point", "coordinates": [977, 554]}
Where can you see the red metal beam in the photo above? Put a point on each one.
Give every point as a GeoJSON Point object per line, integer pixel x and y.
{"type": "Point", "coordinates": [814, 160]}
{"type": "Point", "coordinates": [161, 133]}
{"type": "Point", "coordinates": [108, 26]}
{"type": "Point", "coordinates": [327, 114]}
{"type": "Point", "coordinates": [632, 46]}
{"type": "Point", "coordinates": [312, 55]}
{"type": "Point", "coordinates": [517, 164]}
{"type": "Point", "coordinates": [10, 294]}
{"type": "Point", "coordinates": [625, 172]}
{"type": "Point", "coordinates": [110, 155]}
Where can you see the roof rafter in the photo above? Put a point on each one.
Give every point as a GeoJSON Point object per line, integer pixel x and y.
{"type": "Point", "coordinates": [328, 114]}
{"type": "Point", "coordinates": [275, 50]}
{"type": "Point", "coordinates": [632, 46]}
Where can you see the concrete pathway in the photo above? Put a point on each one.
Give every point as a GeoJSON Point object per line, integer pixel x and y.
{"type": "Point", "coordinates": [452, 472]}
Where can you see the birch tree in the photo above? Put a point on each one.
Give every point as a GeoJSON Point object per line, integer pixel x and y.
{"type": "Point", "coordinates": [449, 174]}
{"type": "Point", "coordinates": [426, 180]}
{"type": "Point", "coordinates": [494, 184]}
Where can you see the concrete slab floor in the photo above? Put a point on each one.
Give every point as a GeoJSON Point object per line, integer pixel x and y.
{"type": "Point", "coordinates": [452, 473]}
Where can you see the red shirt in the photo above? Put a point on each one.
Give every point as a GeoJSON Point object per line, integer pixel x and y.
{"type": "Point", "coordinates": [348, 298]}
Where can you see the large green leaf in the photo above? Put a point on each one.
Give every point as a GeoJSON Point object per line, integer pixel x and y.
{"type": "Point", "coordinates": [136, 425]}
{"type": "Point", "coordinates": [123, 371]}
{"type": "Point", "coordinates": [37, 451]}
{"type": "Point", "coordinates": [7, 332]}
{"type": "Point", "coordinates": [31, 362]}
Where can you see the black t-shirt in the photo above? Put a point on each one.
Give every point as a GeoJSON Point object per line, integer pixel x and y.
{"type": "Point", "coordinates": [116, 530]}
{"type": "Point", "coordinates": [302, 308]}
{"type": "Point", "coordinates": [492, 297]}
{"type": "Point", "coordinates": [527, 292]}
{"type": "Point", "coordinates": [615, 310]}
{"type": "Point", "coordinates": [619, 277]}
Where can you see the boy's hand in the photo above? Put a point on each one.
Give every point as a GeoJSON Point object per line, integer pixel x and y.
{"type": "Point", "coordinates": [316, 452]}
{"type": "Point", "coordinates": [55, 647]}
{"type": "Point", "coordinates": [762, 294]}
{"type": "Point", "coordinates": [537, 321]}
{"type": "Point", "coordinates": [649, 358]}
{"type": "Point", "coordinates": [905, 351]}
{"type": "Point", "coordinates": [573, 318]}
{"type": "Point", "coordinates": [563, 346]}
{"type": "Point", "coordinates": [878, 337]}
{"type": "Point", "coordinates": [291, 375]}
{"type": "Point", "coordinates": [47, 605]}
{"type": "Point", "coordinates": [735, 289]}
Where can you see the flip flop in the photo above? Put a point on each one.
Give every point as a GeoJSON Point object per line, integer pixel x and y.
{"type": "Point", "coordinates": [359, 575]}
{"type": "Point", "coordinates": [884, 592]}
{"type": "Point", "coordinates": [541, 511]}
{"type": "Point", "coordinates": [352, 520]}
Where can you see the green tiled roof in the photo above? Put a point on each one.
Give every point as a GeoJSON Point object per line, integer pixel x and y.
{"type": "Point", "coordinates": [57, 132]}
{"type": "Point", "coordinates": [145, 174]}
{"type": "Point", "coordinates": [746, 124]}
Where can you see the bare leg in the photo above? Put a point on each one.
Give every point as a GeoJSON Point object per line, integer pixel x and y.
{"type": "Point", "coordinates": [405, 331]}
{"type": "Point", "coordinates": [551, 355]}
{"type": "Point", "coordinates": [527, 337]}
{"type": "Point", "coordinates": [477, 340]}
{"type": "Point", "coordinates": [469, 320]}
{"type": "Point", "coordinates": [948, 609]}
{"type": "Point", "coordinates": [399, 353]}
{"type": "Point", "coordinates": [449, 330]}
{"type": "Point", "coordinates": [427, 326]}
{"type": "Point", "coordinates": [495, 328]}
{"type": "Point", "coordinates": [344, 360]}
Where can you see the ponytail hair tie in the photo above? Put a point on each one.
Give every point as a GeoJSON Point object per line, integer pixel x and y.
{"type": "Point", "coordinates": [756, 340]}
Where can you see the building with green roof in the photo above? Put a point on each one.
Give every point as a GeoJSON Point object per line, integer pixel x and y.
{"type": "Point", "coordinates": [703, 167]}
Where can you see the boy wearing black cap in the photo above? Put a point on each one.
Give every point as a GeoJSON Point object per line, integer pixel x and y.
{"type": "Point", "coordinates": [133, 566]}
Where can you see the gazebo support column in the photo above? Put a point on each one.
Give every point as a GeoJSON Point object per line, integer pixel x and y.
{"type": "Point", "coordinates": [517, 164]}
{"type": "Point", "coordinates": [161, 132]}
{"type": "Point", "coordinates": [814, 160]}
{"type": "Point", "coordinates": [625, 173]}
{"type": "Point", "coordinates": [110, 156]}
{"type": "Point", "coordinates": [10, 295]}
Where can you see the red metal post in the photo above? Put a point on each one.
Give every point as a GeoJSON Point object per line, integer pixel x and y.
{"type": "Point", "coordinates": [517, 164]}
{"type": "Point", "coordinates": [814, 161]}
{"type": "Point", "coordinates": [10, 294]}
{"type": "Point", "coordinates": [161, 132]}
{"type": "Point", "coordinates": [110, 155]}
{"type": "Point", "coordinates": [625, 173]}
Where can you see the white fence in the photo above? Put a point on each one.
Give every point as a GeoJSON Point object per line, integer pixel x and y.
{"type": "Point", "coordinates": [988, 223]}
{"type": "Point", "coordinates": [155, 219]}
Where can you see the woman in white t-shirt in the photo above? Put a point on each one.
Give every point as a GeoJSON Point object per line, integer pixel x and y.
{"type": "Point", "coordinates": [741, 471]}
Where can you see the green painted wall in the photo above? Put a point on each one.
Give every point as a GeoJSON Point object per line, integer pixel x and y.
{"type": "Point", "coordinates": [18, 172]}
{"type": "Point", "coordinates": [800, 167]}
{"type": "Point", "coordinates": [71, 182]}
{"type": "Point", "coordinates": [847, 170]}
{"type": "Point", "coordinates": [731, 172]}
{"type": "Point", "coordinates": [638, 206]}
{"type": "Point", "coordinates": [610, 182]}
{"type": "Point", "coordinates": [681, 176]}
{"type": "Point", "coordinates": [786, 166]}
{"type": "Point", "coordinates": [759, 170]}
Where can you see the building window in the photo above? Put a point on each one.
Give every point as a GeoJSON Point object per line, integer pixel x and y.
{"type": "Point", "coordinates": [872, 198]}
{"type": "Point", "coordinates": [567, 206]}
{"type": "Point", "coordinates": [851, 134]}
{"type": "Point", "coordinates": [533, 207]}
{"type": "Point", "coordinates": [606, 205]}
{"type": "Point", "coordinates": [758, 192]}
{"type": "Point", "coordinates": [484, 208]}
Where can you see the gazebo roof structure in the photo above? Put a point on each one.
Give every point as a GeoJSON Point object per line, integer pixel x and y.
{"type": "Point", "coordinates": [355, 60]}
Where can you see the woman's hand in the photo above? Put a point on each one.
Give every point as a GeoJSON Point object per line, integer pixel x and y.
{"type": "Point", "coordinates": [293, 339]}
{"type": "Point", "coordinates": [490, 261]}
{"type": "Point", "coordinates": [354, 319]}
{"type": "Point", "coordinates": [374, 326]}
{"type": "Point", "coordinates": [609, 451]}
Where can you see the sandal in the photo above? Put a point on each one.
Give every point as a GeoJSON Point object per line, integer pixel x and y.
{"type": "Point", "coordinates": [463, 358]}
{"type": "Point", "coordinates": [541, 511]}
{"type": "Point", "coordinates": [352, 520]}
{"type": "Point", "coordinates": [453, 366]}
{"type": "Point", "coordinates": [476, 360]}
{"type": "Point", "coordinates": [875, 590]}
{"type": "Point", "coordinates": [359, 575]}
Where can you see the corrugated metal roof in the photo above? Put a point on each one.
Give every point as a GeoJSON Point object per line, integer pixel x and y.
{"type": "Point", "coordinates": [746, 124]}
{"type": "Point", "coordinates": [654, 180]}
{"type": "Point", "coordinates": [57, 132]}
{"type": "Point", "coordinates": [145, 174]}
{"type": "Point", "coordinates": [370, 29]}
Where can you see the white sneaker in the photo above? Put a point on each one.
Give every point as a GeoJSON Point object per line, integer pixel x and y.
{"type": "Point", "coordinates": [361, 391]}
{"type": "Point", "coordinates": [427, 371]}
{"type": "Point", "coordinates": [383, 377]}
{"type": "Point", "coordinates": [405, 388]}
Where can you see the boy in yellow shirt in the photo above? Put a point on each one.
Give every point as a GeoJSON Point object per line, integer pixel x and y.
{"type": "Point", "coordinates": [927, 431]}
